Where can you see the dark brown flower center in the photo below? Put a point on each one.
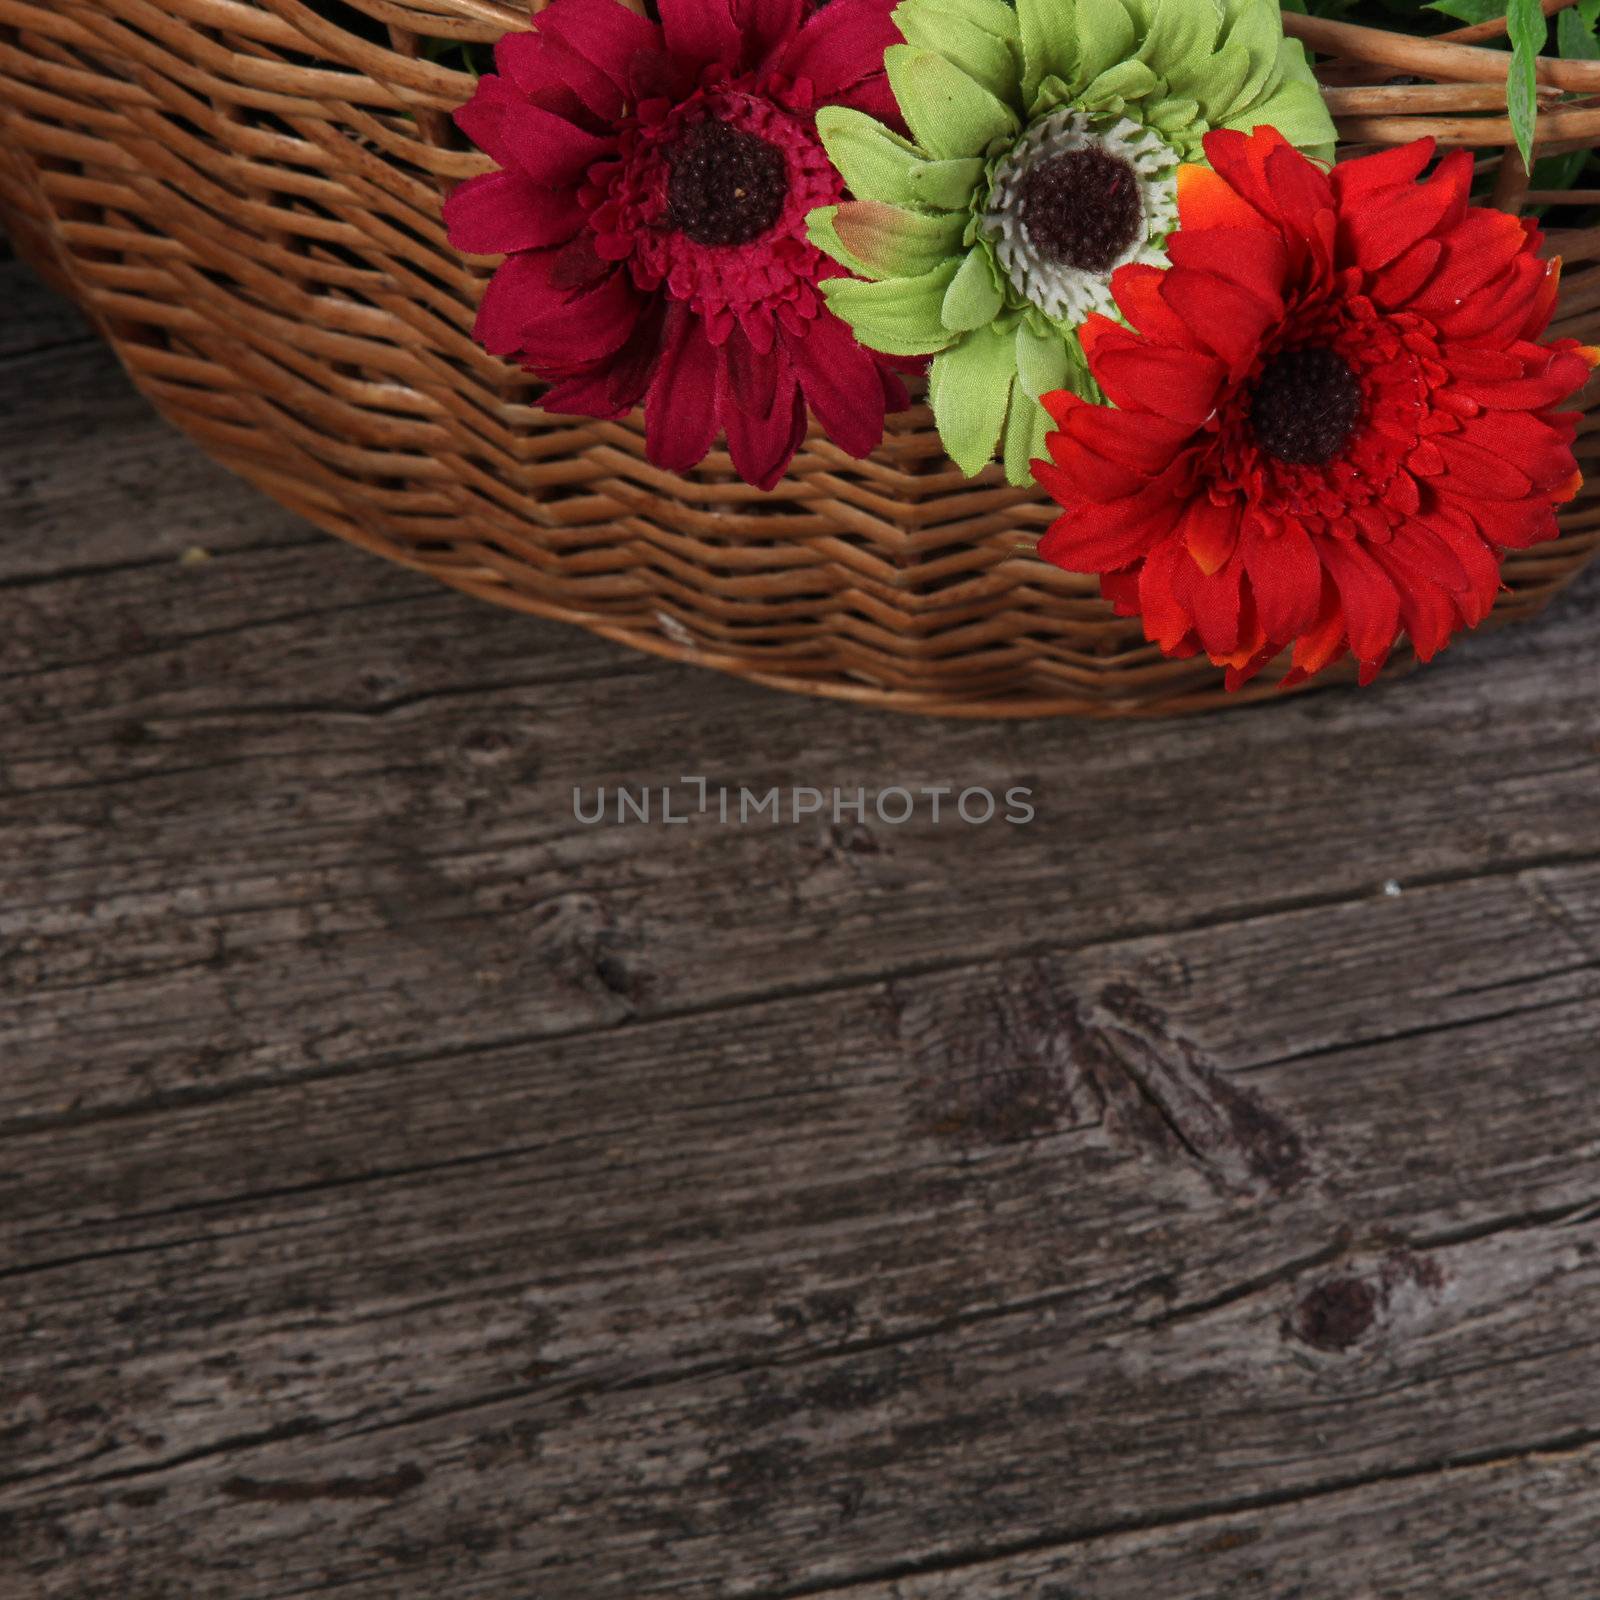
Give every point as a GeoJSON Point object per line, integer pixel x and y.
{"type": "Point", "coordinates": [726, 186]}
{"type": "Point", "coordinates": [1305, 406]}
{"type": "Point", "coordinates": [1082, 209]}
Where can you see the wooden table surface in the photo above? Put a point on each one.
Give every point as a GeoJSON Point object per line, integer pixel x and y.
{"type": "Point", "coordinates": [407, 1189]}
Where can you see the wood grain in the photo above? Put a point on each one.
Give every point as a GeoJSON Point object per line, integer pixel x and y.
{"type": "Point", "coordinates": [411, 1190]}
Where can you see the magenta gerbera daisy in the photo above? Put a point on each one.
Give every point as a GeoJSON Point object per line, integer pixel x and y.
{"type": "Point", "coordinates": [650, 204]}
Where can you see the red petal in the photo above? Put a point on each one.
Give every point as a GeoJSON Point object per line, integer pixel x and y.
{"type": "Point", "coordinates": [1207, 200]}
{"type": "Point", "coordinates": [547, 148]}
{"type": "Point", "coordinates": [764, 445]}
{"type": "Point", "coordinates": [1355, 181]}
{"type": "Point", "coordinates": [1210, 532]}
{"type": "Point", "coordinates": [500, 212]}
{"type": "Point", "coordinates": [1481, 565]}
{"type": "Point", "coordinates": [1178, 384]}
{"type": "Point", "coordinates": [1137, 291]}
{"type": "Point", "coordinates": [1241, 162]}
{"type": "Point", "coordinates": [1368, 595]}
{"type": "Point", "coordinates": [1473, 471]}
{"type": "Point", "coordinates": [1382, 230]}
{"type": "Point", "coordinates": [840, 383]}
{"type": "Point", "coordinates": [1227, 318]}
{"type": "Point", "coordinates": [751, 375]}
{"type": "Point", "coordinates": [1142, 442]}
{"type": "Point", "coordinates": [588, 326]}
{"type": "Point", "coordinates": [1216, 602]}
{"type": "Point", "coordinates": [550, 73]}
{"type": "Point", "coordinates": [604, 34]}
{"type": "Point", "coordinates": [701, 31]}
{"type": "Point", "coordinates": [1286, 579]}
{"type": "Point", "coordinates": [841, 47]}
{"type": "Point", "coordinates": [1168, 622]}
{"type": "Point", "coordinates": [1103, 536]}
{"type": "Point", "coordinates": [1404, 277]}
{"type": "Point", "coordinates": [520, 292]}
{"type": "Point", "coordinates": [1249, 257]}
{"type": "Point", "coordinates": [681, 409]}
{"type": "Point", "coordinates": [481, 116]}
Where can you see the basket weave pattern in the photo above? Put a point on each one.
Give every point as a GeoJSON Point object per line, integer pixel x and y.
{"type": "Point", "coordinates": [245, 197]}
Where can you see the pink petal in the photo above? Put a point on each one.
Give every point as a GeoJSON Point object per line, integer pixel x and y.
{"type": "Point", "coordinates": [681, 409]}
{"type": "Point", "coordinates": [762, 451]}
{"type": "Point", "coordinates": [585, 327]}
{"type": "Point", "coordinates": [520, 292]}
{"type": "Point", "coordinates": [500, 212]}
{"type": "Point", "coordinates": [840, 384]}
{"type": "Point", "coordinates": [547, 147]}
{"type": "Point", "coordinates": [701, 31]}
{"type": "Point", "coordinates": [841, 46]}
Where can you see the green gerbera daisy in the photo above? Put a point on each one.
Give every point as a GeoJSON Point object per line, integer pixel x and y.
{"type": "Point", "coordinates": [1044, 150]}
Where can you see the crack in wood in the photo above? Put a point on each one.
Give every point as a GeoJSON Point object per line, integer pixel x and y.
{"type": "Point", "coordinates": [1023, 1058]}
{"type": "Point", "coordinates": [1201, 1511]}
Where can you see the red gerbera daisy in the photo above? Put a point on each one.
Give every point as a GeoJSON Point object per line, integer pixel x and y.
{"type": "Point", "coordinates": [1335, 417]}
{"type": "Point", "coordinates": [651, 206]}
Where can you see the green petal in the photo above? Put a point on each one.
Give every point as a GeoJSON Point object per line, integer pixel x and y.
{"type": "Point", "coordinates": [1105, 37]}
{"type": "Point", "coordinates": [1213, 82]}
{"type": "Point", "coordinates": [1182, 30]}
{"type": "Point", "coordinates": [973, 297]}
{"type": "Point", "coordinates": [882, 241]}
{"type": "Point", "coordinates": [969, 387]}
{"type": "Point", "coordinates": [874, 163]}
{"type": "Point", "coordinates": [1049, 42]}
{"type": "Point", "coordinates": [899, 316]}
{"type": "Point", "coordinates": [1170, 116]}
{"type": "Point", "coordinates": [1043, 360]}
{"type": "Point", "coordinates": [1259, 31]}
{"type": "Point", "coordinates": [965, 42]}
{"type": "Point", "coordinates": [1027, 423]}
{"type": "Point", "coordinates": [948, 113]}
{"type": "Point", "coordinates": [1127, 80]}
{"type": "Point", "coordinates": [946, 185]}
{"type": "Point", "coordinates": [1298, 112]}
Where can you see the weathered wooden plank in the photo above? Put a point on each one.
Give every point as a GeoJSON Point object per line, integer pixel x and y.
{"type": "Point", "coordinates": [90, 476]}
{"type": "Point", "coordinates": [413, 820]}
{"type": "Point", "coordinates": [34, 319]}
{"type": "Point", "coordinates": [410, 1189]}
{"type": "Point", "coordinates": [1525, 1526]}
{"type": "Point", "coordinates": [747, 1294]}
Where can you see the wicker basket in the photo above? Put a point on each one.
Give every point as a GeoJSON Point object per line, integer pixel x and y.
{"type": "Point", "coordinates": [245, 198]}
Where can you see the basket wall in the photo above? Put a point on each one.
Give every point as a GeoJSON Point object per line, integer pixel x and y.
{"type": "Point", "coordinates": [245, 197]}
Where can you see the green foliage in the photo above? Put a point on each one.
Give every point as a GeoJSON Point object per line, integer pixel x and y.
{"type": "Point", "coordinates": [1526, 29]}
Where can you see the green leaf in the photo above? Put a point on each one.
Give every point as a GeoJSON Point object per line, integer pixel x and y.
{"type": "Point", "coordinates": [969, 386]}
{"type": "Point", "coordinates": [1049, 43]}
{"type": "Point", "coordinates": [874, 163]}
{"type": "Point", "coordinates": [1105, 36]}
{"type": "Point", "coordinates": [973, 297]}
{"type": "Point", "coordinates": [965, 43]}
{"type": "Point", "coordinates": [1575, 36]}
{"type": "Point", "coordinates": [949, 114]}
{"type": "Point", "coordinates": [882, 241]}
{"type": "Point", "coordinates": [1526, 29]}
{"type": "Point", "coordinates": [946, 185]}
{"type": "Point", "coordinates": [899, 316]}
{"type": "Point", "coordinates": [1468, 10]}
